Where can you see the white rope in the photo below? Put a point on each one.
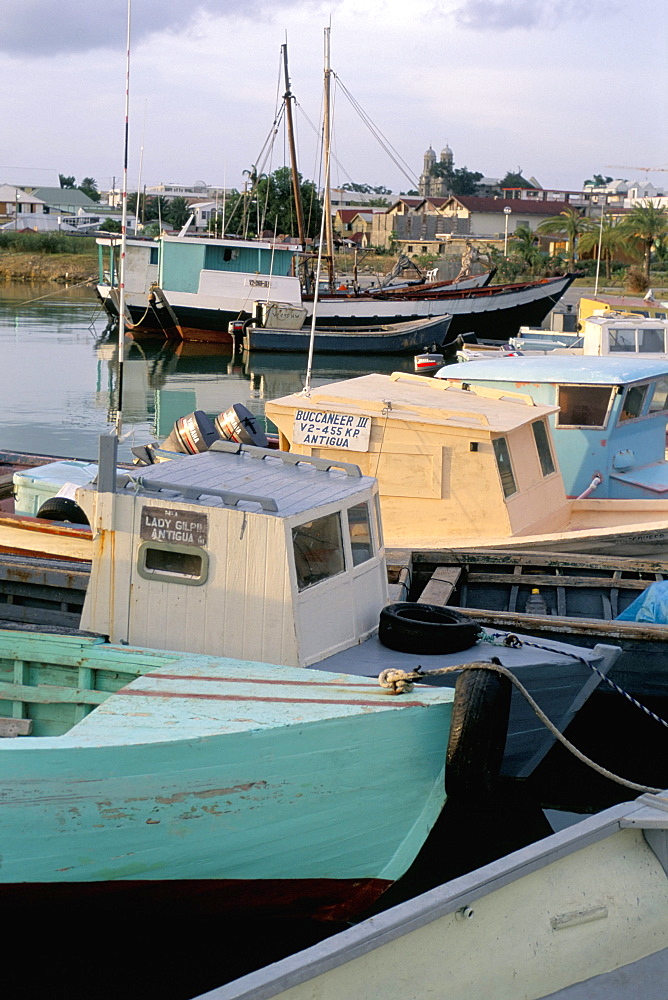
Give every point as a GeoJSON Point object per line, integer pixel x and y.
{"type": "Point", "coordinates": [399, 681]}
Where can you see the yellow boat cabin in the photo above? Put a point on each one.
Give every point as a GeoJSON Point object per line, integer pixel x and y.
{"type": "Point", "coordinates": [451, 463]}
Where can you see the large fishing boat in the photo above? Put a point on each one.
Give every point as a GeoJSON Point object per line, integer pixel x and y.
{"type": "Point", "coordinates": [195, 287]}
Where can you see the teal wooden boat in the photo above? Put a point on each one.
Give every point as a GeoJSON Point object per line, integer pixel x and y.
{"type": "Point", "coordinates": [262, 766]}
{"type": "Point", "coordinates": [153, 773]}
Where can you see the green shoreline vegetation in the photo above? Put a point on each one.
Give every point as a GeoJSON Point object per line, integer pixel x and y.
{"type": "Point", "coordinates": [65, 259]}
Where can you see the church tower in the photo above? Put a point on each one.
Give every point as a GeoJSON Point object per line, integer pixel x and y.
{"type": "Point", "coordinates": [427, 180]}
{"type": "Point", "coordinates": [431, 186]}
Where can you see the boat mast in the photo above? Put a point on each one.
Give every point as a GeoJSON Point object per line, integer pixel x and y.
{"type": "Point", "coordinates": [326, 215]}
{"type": "Point", "coordinates": [124, 231]}
{"type": "Point", "coordinates": [327, 140]}
{"type": "Point", "coordinates": [296, 186]}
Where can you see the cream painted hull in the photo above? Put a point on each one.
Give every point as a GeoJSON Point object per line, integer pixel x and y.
{"type": "Point", "coordinates": [584, 911]}
{"type": "Point", "coordinates": [596, 527]}
{"type": "Point", "coordinates": [44, 538]}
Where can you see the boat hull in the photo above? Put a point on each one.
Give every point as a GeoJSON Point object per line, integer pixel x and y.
{"type": "Point", "coordinates": [584, 595]}
{"type": "Point", "coordinates": [580, 914]}
{"type": "Point", "coordinates": [265, 899]}
{"type": "Point", "coordinates": [401, 338]}
{"type": "Point", "coordinates": [493, 313]}
{"type": "Point", "coordinates": [224, 776]}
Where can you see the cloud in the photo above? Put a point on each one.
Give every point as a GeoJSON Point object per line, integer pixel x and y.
{"type": "Point", "coordinates": [38, 28]}
{"type": "Point", "coordinates": [508, 15]}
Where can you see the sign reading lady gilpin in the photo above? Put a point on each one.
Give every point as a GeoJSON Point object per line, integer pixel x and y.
{"type": "Point", "coordinates": [181, 527]}
{"type": "Point", "coordinates": [322, 429]}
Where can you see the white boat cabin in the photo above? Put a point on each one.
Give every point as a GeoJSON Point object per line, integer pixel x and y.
{"type": "Point", "coordinates": [241, 552]}
{"type": "Point", "coordinates": [601, 335]}
{"type": "Point", "coordinates": [199, 272]}
{"type": "Point", "coordinates": [451, 462]}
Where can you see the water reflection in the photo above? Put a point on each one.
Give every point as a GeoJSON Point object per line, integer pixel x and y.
{"type": "Point", "coordinates": [58, 377]}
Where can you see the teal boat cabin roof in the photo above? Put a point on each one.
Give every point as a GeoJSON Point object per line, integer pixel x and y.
{"type": "Point", "coordinates": [552, 369]}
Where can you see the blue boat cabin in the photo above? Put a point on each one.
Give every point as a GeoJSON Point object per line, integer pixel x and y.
{"type": "Point", "coordinates": [611, 421]}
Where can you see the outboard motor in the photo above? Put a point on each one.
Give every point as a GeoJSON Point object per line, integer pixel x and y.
{"type": "Point", "coordinates": [238, 424]}
{"type": "Point", "coordinates": [191, 434]}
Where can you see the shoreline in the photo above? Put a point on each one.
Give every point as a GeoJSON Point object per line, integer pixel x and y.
{"type": "Point", "coordinates": [67, 269]}
{"type": "Point", "coordinates": [61, 269]}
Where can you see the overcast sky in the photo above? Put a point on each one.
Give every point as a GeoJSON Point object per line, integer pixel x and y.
{"type": "Point", "coordinates": [562, 89]}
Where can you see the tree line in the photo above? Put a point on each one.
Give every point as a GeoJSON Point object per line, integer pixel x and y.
{"type": "Point", "coordinates": [640, 235]}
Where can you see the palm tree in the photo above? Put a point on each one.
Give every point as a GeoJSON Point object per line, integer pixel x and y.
{"type": "Point", "coordinates": [178, 212]}
{"type": "Point", "coordinates": [610, 235]}
{"type": "Point", "coordinates": [647, 224]}
{"type": "Point", "coordinates": [524, 246]}
{"type": "Point", "coordinates": [572, 224]}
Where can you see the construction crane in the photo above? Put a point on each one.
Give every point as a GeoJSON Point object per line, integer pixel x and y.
{"type": "Point", "coordinates": [616, 166]}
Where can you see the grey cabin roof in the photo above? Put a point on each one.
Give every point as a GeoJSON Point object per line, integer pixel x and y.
{"type": "Point", "coordinates": [295, 488]}
{"type": "Point", "coordinates": [560, 368]}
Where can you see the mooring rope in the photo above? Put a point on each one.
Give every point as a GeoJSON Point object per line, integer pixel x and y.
{"type": "Point", "coordinates": [399, 681]}
{"type": "Point", "coordinates": [62, 291]}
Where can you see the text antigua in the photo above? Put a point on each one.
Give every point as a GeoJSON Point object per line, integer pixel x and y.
{"type": "Point", "coordinates": [333, 430]}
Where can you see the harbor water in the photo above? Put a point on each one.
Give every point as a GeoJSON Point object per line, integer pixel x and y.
{"type": "Point", "coordinates": [58, 385]}
{"type": "Point", "coordinates": [58, 376]}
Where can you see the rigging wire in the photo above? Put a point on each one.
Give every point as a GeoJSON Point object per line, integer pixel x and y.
{"type": "Point", "coordinates": [384, 142]}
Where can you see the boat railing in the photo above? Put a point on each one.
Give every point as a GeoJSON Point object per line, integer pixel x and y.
{"type": "Point", "coordinates": [229, 497]}
{"type": "Point", "coordinates": [287, 457]}
{"type": "Point", "coordinates": [442, 385]}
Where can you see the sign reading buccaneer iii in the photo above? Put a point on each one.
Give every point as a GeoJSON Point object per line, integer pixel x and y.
{"type": "Point", "coordinates": [322, 429]}
{"type": "Point", "coordinates": [182, 527]}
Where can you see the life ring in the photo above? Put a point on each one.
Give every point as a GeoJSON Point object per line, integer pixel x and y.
{"type": "Point", "coordinates": [410, 627]}
{"type": "Point", "coordinates": [478, 731]}
{"type": "Point", "coordinates": [62, 509]}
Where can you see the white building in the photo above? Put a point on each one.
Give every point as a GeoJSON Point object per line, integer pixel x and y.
{"type": "Point", "coordinates": [15, 202]}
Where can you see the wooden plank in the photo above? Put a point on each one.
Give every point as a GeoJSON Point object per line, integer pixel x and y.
{"type": "Point", "coordinates": [398, 559]}
{"type": "Point", "coordinates": [47, 576]}
{"type": "Point", "coordinates": [398, 591]}
{"type": "Point", "coordinates": [441, 585]}
{"type": "Point", "coordinates": [6, 485]}
{"type": "Point", "coordinates": [545, 580]}
{"type": "Point", "coordinates": [514, 590]}
{"type": "Point", "coordinates": [562, 628]}
{"type": "Point", "coordinates": [56, 595]}
{"type": "Point", "coordinates": [50, 694]}
{"type": "Point", "coordinates": [15, 727]}
{"type": "Point", "coordinates": [458, 557]}
{"type": "Point", "coordinates": [39, 616]}
{"type": "Point", "coordinates": [561, 601]}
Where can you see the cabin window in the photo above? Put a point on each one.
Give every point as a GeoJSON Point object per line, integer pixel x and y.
{"type": "Point", "coordinates": [318, 549]}
{"type": "Point", "coordinates": [504, 466]}
{"type": "Point", "coordinates": [153, 255]}
{"type": "Point", "coordinates": [542, 440]}
{"type": "Point", "coordinates": [216, 258]}
{"type": "Point", "coordinates": [651, 341]}
{"type": "Point", "coordinates": [359, 528]}
{"type": "Point", "coordinates": [623, 339]}
{"type": "Point", "coordinates": [171, 563]}
{"type": "Point", "coordinates": [583, 405]}
{"type": "Point", "coordinates": [634, 399]}
{"type": "Point", "coordinates": [659, 400]}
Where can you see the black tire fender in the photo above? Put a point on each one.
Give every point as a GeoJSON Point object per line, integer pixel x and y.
{"type": "Point", "coordinates": [478, 733]}
{"type": "Point", "coordinates": [409, 627]}
{"type": "Point", "coordinates": [62, 509]}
